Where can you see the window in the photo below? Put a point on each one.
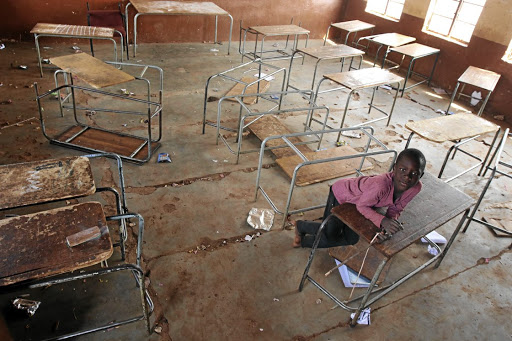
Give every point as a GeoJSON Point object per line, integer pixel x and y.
{"type": "Point", "coordinates": [387, 8]}
{"type": "Point", "coordinates": [453, 19]}
{"type": "Point", "coordinates": [508, 55]}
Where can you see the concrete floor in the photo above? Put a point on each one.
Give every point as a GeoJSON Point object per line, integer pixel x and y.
{"type": "Point", "coordinates": [206, 282]}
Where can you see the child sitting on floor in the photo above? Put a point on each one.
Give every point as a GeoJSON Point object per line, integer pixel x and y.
{"type": "Point", "coordinates": [393, 190]}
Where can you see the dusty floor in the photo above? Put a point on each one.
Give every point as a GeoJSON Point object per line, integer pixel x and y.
{"type": "Point", "coordinates": [205, 280]}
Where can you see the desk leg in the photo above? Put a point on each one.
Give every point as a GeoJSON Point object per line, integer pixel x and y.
{"type": "Point", "coordinates": [313, 249]}
{"type": "Point", "coordinates": [409, 71]}
{"type": "Point", "coordinates": [353, 322]}
{"type": "Point", "coordinates": [230, 32]}
{"type": "Point", "coordinates": [327, 34]}
{"type": "Point", "coordinates": [480, 112]}
{"type": "Point", "coordinates": [433, 68]}
{"type": "Point", "coordinates": [36, 38]}
{"type": "Point", "coordinates": [452, 238]}
{"type": "Point", "coordinates": [135, 34]}
{"type": "Point", "coordinates": [290, 72]}
{"type": "Point", "coordinates": [453, 97]}
{"type": "Point", "coordinates": [345, 113]}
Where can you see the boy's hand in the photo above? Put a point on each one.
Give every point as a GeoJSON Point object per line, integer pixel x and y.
{"type": "Point", "coordinates": [389, 228]}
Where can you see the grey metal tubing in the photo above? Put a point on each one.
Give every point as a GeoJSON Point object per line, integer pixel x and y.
{"type": "Point", "coordinates": [38, 35]}
{"type": "Point", "coordinates": [495, 169]}
{"type": "Point", "coordinates": [140, 235]}
{"type": "Point", "coordinates": [122, 227]}
{"type": "Point", "coordinates": [368, 131]}
{"type": "Point", "coordinates": [452, 238]}
{"type": "Point", "coordinates": [223, 75]}
{"type": "Point", "coordinates": [89, 274]}
{"type": "Point", "coordinates": [453, 97]}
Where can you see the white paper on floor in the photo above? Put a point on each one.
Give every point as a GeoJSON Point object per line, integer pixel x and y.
{"type": "Point", "coordinates": [263, 75]}
{"type": "Point", "coordinates": [349, 277]}
{"type": "Point", "coordinates": [364, 317]}
{"type": "Point", "coordinates": [435, 237]}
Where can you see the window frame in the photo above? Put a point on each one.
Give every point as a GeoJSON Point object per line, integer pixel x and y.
{"type": "Point", "coordinates": [431, 13]}
{"type": "Point", "coordinates": [384, 13]}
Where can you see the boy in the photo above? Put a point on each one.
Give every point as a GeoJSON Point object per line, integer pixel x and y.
{"type": "Point", "coordinates": [393, 190]}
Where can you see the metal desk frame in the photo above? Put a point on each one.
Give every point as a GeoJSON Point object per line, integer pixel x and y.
{"type": "Point", "coordinates": [153, 109]}
{"type": "Point", "coordinates": [494, 169]}
{"type": "Point", "coordinates": [364, 130]}
{"type": "Point", "coordinates": [490, 88]}
{"type": "Point", "coordinates": [274, 110]}
{"type": "Point", "coordinates": [412, 62]}
{"type": "Point", "coordinates": [343, 26]}
{"type": "Point", "coordinates": [457, 147]}
{"type": "Point", "coordinates": [38, 35]}
{"type": "Point", "coordinates": [366, 301]}
{"type": "Point", "coordinates": [199, 13]}
{"type": "Point", "coordinates": [360, 87]}
{"type": "Point", "coordinates": [254, 55]}
{"type": "Point", "coordinates": [319, 59]}
{"type": "Point", "coordinates": [373, 38]}
{"type": "Point", "coordinates": [226, 76]}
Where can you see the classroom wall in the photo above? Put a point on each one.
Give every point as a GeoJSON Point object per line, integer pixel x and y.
{"type": "Point", "coordinates": [19, 16]}
{"type": "Point", "coordinates": [485, 50]}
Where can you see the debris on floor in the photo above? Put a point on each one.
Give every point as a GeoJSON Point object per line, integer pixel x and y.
{"type": "Point", "coordinates": [261, 218]}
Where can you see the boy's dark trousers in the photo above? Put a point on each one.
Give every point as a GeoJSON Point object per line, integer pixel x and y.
{"type": "Point", "coordinates": [335, 233]}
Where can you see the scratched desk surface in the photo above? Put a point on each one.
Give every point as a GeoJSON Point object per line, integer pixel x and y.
{"type": "Point", "coordinates": [436, 204]}
{"type": "Point", "coordinates": [42, 181]}
{"type": "Point", "coordinates": [177, 7]}
{"type": "Point", "coordinates": [34, 245]}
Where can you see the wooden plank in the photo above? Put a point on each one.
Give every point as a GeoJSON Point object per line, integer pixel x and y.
{"type": "Point", "coordinates": [91, 70]}
{"type": "Point", "coordinates": [42, 181]}
{"type": "Point", "coordinates": [451, 127]}
{"type": "Point", "coordinates": [72, 30]}
{"type": "Point", "coordinates": [353, 25]}
{"type": "Point", "coordinates": [393, 39]}
{"type": "Point", "coordinates": [279, 30]}
{"type": "Point", "coordinates": [436, 204]}
{"type": "Point", "coordinates": [331, 52]}
{"type": "Point", "coordinates": [177, 7]}
{"type": "Point", "coordinates": [311, 174]}
{"type": "Point", "coordinates": [416, 50]}
{"type": "Point", "coordinates": [372, 262]}
{"type": "Point", "coordinates": [106, 141]}
{"type": "Point", "coordinates": [269, 125]}
{"type": "Point", "coordinates": [238, 89]}
{"type": "Point", "coordinates": [479, 77]}
{"type": "Point", "coordinates": [364, 78]}
{"type": "Point", "coordinates": [34, 245]}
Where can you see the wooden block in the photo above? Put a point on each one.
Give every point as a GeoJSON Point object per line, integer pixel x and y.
{"type": "Point", "coordinates": [238, 89]}
{"type": "Point", "coordinates": [323, 171]}
{"type": "Point", "coordinates": [83, 236]}
{"type": "Point", "coordinates": [269, 125]}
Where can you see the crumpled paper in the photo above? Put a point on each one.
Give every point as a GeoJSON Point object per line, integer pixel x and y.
{"type": "Point", "coordinates": [364, 317]}
{"type": "Point", "coordinates": [261, 218]}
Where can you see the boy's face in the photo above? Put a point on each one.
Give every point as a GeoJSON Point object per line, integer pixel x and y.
{"type": "Point", "coordinates": [406, 174]}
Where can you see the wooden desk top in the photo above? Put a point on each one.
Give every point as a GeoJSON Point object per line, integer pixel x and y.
{"type": "Point", "coordinates": [177, 7]}
{"type": "Point", "coordinates": [73, 30]}
{"type": "Point", "coordinates": [436, 204]}
{"type": "Point", "coordinates": [392, 39]}
{"type": "Point", "coordinates": [279, 30]}
{"type": "Point", "coordinates": [331, 52]}
{"type": "Point", "coordinates": [353, 25]}
{"type": "Point", "coordinates": [415, 50]}
{"type": "Point", "coordinates": [43, 181]}
{"type": "Point", "coordinates": [91, 70]}
{"type": "Point", "coordinates": [34, 245]}
{"type": "Point", "coordinates": [364, 78]}
{"type": "Point", "coordinates": [479, 77]}
{"type": "Point", "coordinates": [451, 127]}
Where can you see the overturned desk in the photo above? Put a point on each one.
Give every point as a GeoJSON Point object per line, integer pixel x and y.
{"type": "Point", "coordinates": [435, 205]}
{"type": "Point", "coordinates": [73, 31]}
{"type": "Point", "coordinates": [86, 132]}
{"type": "Point", "coordinates": [352, 26]}
{"type": "Point", "coordinates": [460, 128]}
{"type": "Point", "coordinates": [149, 7]}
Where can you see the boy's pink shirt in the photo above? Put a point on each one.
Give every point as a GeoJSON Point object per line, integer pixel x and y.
{"type": "Point", "coordinates": [367, 192]}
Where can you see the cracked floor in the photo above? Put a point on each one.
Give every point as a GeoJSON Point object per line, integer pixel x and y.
{"type": "Point", "coordinates": [207, 282]}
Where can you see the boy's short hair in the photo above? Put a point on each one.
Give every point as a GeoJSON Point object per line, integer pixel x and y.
{"type": "Point", "coordinates": [414, 154]}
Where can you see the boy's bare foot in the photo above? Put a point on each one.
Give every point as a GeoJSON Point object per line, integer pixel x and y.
{"type": "Point", "coordinates": [296, 240]}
